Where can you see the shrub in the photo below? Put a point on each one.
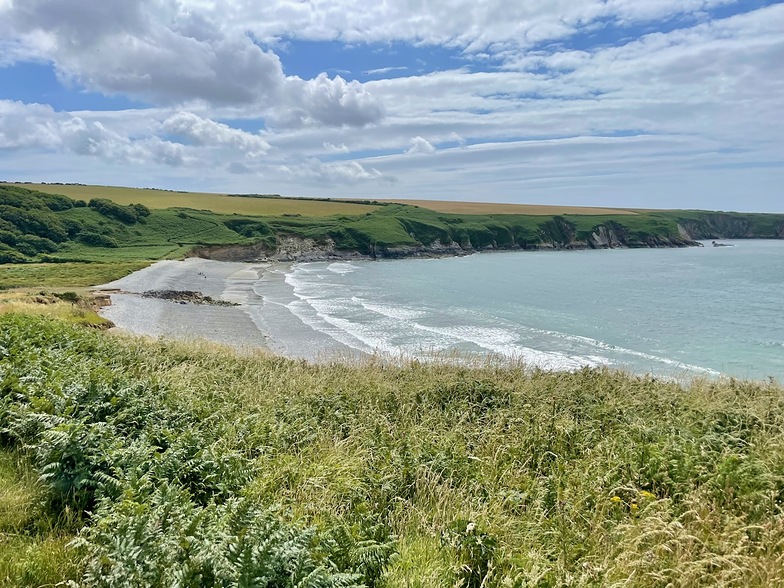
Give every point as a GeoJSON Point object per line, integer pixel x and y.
{"type": "Point", "coordinates": [10, 255]}
{"type": "Point", "coordinates": [35, 222]}
{"type": "Point", "coordinates": [124, 214]}
{"type": "Point", "coordinates": [94, 239]}
{"type": "Point", "coordinates": [32, 245]}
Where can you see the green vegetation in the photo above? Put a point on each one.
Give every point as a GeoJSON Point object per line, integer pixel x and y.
{"type": "Point", "coordinates": [65, 275]}
{"type": "Point", "coordinates": [54, 229]}
{"type": "Point", "coordinates": [126, 463]}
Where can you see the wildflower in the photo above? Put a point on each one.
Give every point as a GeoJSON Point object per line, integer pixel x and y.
{"type": "Point", "coordinates": [470, 528]}
{"type": "Point", "coordinates": [616, 499]}
{"type": "Point", "coordinates": [647, 495]}
{"type": "Point", "coordinates": [634, 507]}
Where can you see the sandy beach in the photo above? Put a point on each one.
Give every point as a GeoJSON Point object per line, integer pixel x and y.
{"type": "Point", "coordinates": [261, 315]}
{"type": "Point", "coordinates": [228, 325]}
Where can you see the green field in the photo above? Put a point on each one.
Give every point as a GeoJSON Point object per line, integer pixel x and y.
{"type": "Point", "coordinates": [199, 467]}
{"type": "Point", "coordinates": [457, 207]}
{"type": "Point", "coordinates": [65, 275]}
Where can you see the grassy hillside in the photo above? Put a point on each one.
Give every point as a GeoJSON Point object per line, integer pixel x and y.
{"type": "Point", "coordinates": [37, 227]}
{"type": "Point", "coordinates": [200, 467]}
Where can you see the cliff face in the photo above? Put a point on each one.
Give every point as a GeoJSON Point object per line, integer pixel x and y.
{"type": "Point", "coordinates": [557, 234]}
{"type": "Point", "coordinates": [718, 226]}
{"type": "Point", "coordinates": [732, 226]}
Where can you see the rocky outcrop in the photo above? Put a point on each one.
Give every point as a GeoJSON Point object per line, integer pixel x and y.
{"type": "Point", "coordinates": [613, 235]}
{"type": "Point", "coordinates": [230, 252]}
{"type": "Point", "coordinates": [185, 297]}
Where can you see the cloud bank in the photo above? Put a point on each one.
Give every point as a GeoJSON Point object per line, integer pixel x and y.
{"type": "Point", "coordinates": [606, 102]}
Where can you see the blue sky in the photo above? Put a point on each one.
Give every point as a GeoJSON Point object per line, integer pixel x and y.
{"type": "Point", "coordinates": [639, 103]}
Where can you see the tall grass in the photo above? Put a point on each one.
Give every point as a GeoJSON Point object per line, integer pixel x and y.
{"type": "Point", "coordinates": [191, 459]}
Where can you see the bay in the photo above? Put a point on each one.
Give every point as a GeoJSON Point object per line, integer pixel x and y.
{"type": "Point", "coordinates": [694, 312]}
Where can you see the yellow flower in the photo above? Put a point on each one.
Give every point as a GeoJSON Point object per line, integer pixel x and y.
{"type": "Point", "coordinates": [616, 499]}
{"type": "Point", "coordinates": [647, 495]}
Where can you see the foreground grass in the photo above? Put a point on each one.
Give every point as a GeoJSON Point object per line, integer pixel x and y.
{"type": "Point", "coordinates": [204, 467]}
{"type": "Point", "coordinates": [33, 546]}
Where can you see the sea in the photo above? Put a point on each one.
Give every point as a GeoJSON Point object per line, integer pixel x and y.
{"type": "Point", "coordinates": [677, 313]}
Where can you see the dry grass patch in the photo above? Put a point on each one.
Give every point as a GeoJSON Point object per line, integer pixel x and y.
{"type": "Point", "coordinates": [219, 203]}
{"type": "Point", "coordinates": [454, 207]}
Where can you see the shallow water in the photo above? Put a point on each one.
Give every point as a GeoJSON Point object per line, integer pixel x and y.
{"type": "Point", "coordinates": [672, 312]}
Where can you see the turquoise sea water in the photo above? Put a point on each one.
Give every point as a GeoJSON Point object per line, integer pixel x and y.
{"type": "Point", "coordinates": [673, 312]}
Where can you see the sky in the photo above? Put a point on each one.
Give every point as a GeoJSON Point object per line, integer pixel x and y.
{"type": "Point", "coordinates": [632, 103]}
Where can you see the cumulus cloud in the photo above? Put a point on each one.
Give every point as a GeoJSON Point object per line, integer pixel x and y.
{"type": "Point", "coordinates": [420, 145]}
{"type": "Point", "coordinates": [207, 132]}
{"type": "Point", "coordinates": [168, 52]}
{"type": "Point", "coordinates": [25, 126]}
{"type": "Point", "coordinates": [327, 101]}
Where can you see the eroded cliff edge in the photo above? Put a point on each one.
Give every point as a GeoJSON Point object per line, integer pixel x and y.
{"type": "Point", "coordinates": [557, 233]}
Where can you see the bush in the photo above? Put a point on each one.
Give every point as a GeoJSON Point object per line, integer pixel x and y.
{"type": "Point", "coordinates": [141, 210]}
{"type": "Point", "coordinates": [32, 245]}
{"type": "Point", "coordinates": [9, 255]}
{"type": "Point", "coordinates": [124, 214]}
{"type": "Point", "coordinates": [249, 227]}
{"type": "Point", "coordinates": [36, 222]}
{"type": "Point", "coordinates": [94, 239]}
{"type": "Point", "coordinates": [8, 237]}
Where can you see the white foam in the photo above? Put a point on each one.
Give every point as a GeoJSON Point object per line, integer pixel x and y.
{"type": "Point", "coordinates": [388, 310]}
{"type": "Point", "coordinates": [342, 268]}
{"type": "Point", "coordinates": [505, 343]}
{"type": "Point", "coordinates": [623, 351]}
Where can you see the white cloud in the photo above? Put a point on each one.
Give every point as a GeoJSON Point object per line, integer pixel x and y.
{"type": "Point", "coordinates": [642, 116]}
{"type": "Point", "coordinates": [463, 23]}
{"type": "Point", "coordinates": [327, 101]}
{"type": "Point", "coordinates": [383, 70]}
{"type": "Point", "coordinates": [161, 51]}
{"type": "Point", "coordinates": [331, 174]}
{"type": "Point", "coordinates": [341, 148]}
{"type": "Point", "coordinates": [207, 132]}
{"type": "Point", "coordinates": [32, 126]}
{"type": "Point", "coordinates": [420, 145]}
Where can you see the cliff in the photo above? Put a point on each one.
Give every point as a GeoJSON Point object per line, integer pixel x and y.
{"type": "Point", "coordinates": [727, 225]}
{"type": "Point", "coordinates": [557, 233]}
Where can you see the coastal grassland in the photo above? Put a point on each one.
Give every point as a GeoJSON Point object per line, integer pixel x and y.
{"type": "Point", "coordinates": [69, 306]}
{"type": "Point", "coordinates": [40, 228]}
{"type": "Point", "coordinates": [252, 205]}
{"type": "Point", "coordinates": [483, 208]}
{"type": "Point", "coordinates": [205, 467]}
{"type": "Point", "coordinates": [65, 275]}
